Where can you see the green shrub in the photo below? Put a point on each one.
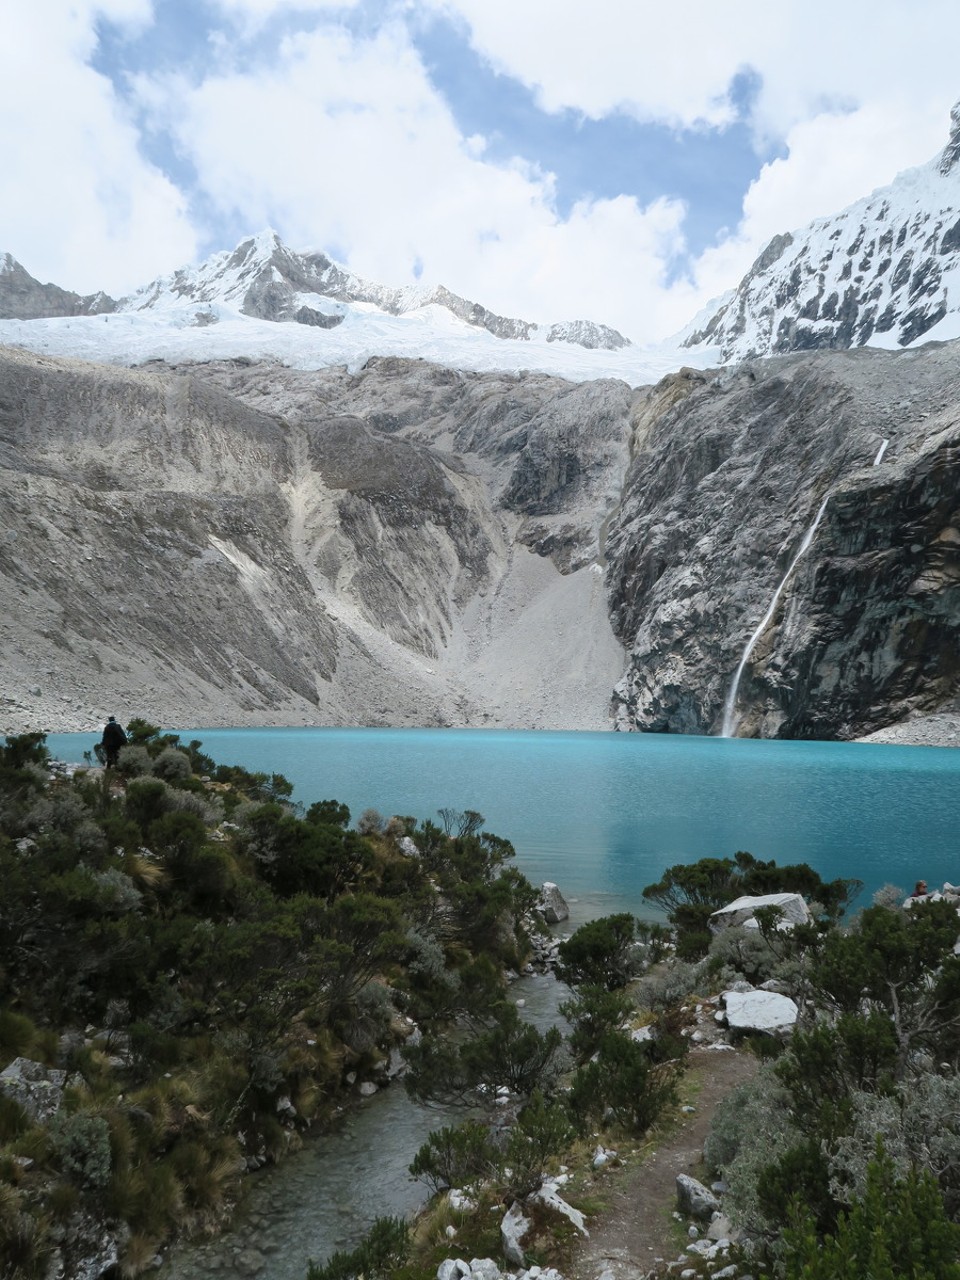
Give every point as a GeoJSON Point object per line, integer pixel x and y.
{"type": "Point", "coordinates": [81, 1144]}
{"type": "Point", "coordinates": [602, 952]}
{"type": "Point", "coordinates": [543, 1130]}
{"type": "Point", "coordinates": [134, 761]}
{"type": "Point", "coordinates": [385, 1248]}
{"type": "Point", "coordinates": [146, 801]}
{"type": "Point", "coordinates": [13, 1119]}
{"type": "Point", "coordinates": [625, 1083]}
{"type": "Point", "coordinates": [172, 765]}
{"type": "Point", "coordinates": [17, 1033]}
{"type": "Point", "coordinates": [898, 1231]}
{"type": "Point", "coordinates": [593, 1012]}
{"type": "Point", "coordinates": [457, 1156]}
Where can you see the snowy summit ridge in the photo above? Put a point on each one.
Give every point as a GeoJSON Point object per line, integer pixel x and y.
{"type": "Point", "coordinates": [884, 272]}
{"type": "Point", "coordinates": [268, 281]}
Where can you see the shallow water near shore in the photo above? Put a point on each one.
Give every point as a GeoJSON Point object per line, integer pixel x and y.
{"type": "Point", "coordinates": [603, 814]}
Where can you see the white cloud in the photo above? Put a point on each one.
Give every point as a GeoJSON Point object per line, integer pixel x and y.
{"type": "Point", "coordinates": [78, 203]}
{"type": "Point", "coordinates": [342, 143]}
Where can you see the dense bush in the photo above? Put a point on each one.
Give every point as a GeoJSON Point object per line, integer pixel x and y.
{"type": "Point", "coordinates": [602, 952]}
{"type": "Point", "coordinates": [625, 1083]}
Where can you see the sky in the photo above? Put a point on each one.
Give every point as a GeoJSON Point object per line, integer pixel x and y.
{"type": "Point", "coordinates": [612, 160]}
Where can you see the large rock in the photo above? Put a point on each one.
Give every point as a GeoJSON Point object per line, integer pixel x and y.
{"type": "Point", "coordinates": [759, 1011]}
{"type": "Point", "coordinates": [513, 1228]}
{"type": "Point", "coordinates": [549, 1195]}
{"type": "Point", "coordinates": [694, 1199]}
{"type": "Point", "coordinates": [552, 905]}
{"type": "Point", "coordinates": [791, 907]}
{"type": "Point", "coordinates": [36, 1088]}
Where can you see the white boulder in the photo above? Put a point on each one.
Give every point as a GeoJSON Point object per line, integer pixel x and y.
{"type": "Point", "coordinates": [759, 1010]}
{"type": "Point", "coordinates": [791, 906]}
{"type": "Point", "coordinates": [513, 1228]}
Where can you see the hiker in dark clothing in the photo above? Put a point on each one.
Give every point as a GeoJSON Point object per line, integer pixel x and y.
{"type": "Point", "coordinates": [113, 739]}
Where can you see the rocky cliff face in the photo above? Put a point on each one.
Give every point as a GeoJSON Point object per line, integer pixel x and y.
{"type": "Point", "coordinates": [729, 474]}
{"type": "Point", "coordinates": [884, 271]}
{"type": "Point", "coordinates": [242, 543]}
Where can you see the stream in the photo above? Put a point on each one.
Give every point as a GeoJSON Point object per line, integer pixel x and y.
{"type": "Point", "coordinates": [326, 1196]}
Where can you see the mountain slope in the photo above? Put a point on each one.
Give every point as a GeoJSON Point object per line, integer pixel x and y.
{"type": "Point", "coordinates": [172, 550]}
{"type": "Point", "coordinates": [884, 272]}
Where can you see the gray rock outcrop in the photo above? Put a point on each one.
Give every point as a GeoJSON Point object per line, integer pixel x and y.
{"type": "Point", "coordinates": [513, 1229]}
{"type": "Point", "coordinates": [790, 907]}
{"type": "Point", "coordinates": [367, 552]}
{"type": "Point", "coordinates": [34, 1087]}
{"type": "Point", "coordinates": [24, 298]}
{"type": "Point", "coordinates": [728, 475]}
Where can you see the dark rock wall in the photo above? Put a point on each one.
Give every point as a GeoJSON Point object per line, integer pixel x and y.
{"type": "Point", "coordinates": [723, 486]}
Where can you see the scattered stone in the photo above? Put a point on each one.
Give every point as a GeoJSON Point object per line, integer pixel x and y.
{"type": "Point", "coordinates": [460, 1201]}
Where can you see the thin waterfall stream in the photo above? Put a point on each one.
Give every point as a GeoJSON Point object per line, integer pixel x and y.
{"type": "Point", "coordinates": [730, 719]}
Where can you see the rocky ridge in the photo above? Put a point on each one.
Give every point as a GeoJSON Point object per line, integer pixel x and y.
{"type": "Point", "coordinates": [24, 298]}
{"type": "Point", "coordinates": [238, 542]}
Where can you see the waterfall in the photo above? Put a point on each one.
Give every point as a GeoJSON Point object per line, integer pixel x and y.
{"type": "Point", "coordinates": [728, 729]}
{"type": "Point", "coordinates": [880, 452]}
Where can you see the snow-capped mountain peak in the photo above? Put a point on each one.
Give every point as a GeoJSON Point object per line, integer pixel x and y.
{"type": "Point", "coordinates": [885, 272]}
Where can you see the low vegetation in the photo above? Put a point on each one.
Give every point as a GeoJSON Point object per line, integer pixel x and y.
{"type": "Point", "coordinates": [199, 969]}
{"type": "Point", "coordinates": [206, 965]}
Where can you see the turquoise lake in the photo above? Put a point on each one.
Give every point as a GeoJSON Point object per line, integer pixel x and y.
{"type": "Point", "coordinates": [602, 814]}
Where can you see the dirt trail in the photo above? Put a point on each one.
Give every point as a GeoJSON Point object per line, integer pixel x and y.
{"type": "Point", "coordinates": [637, 1228]}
